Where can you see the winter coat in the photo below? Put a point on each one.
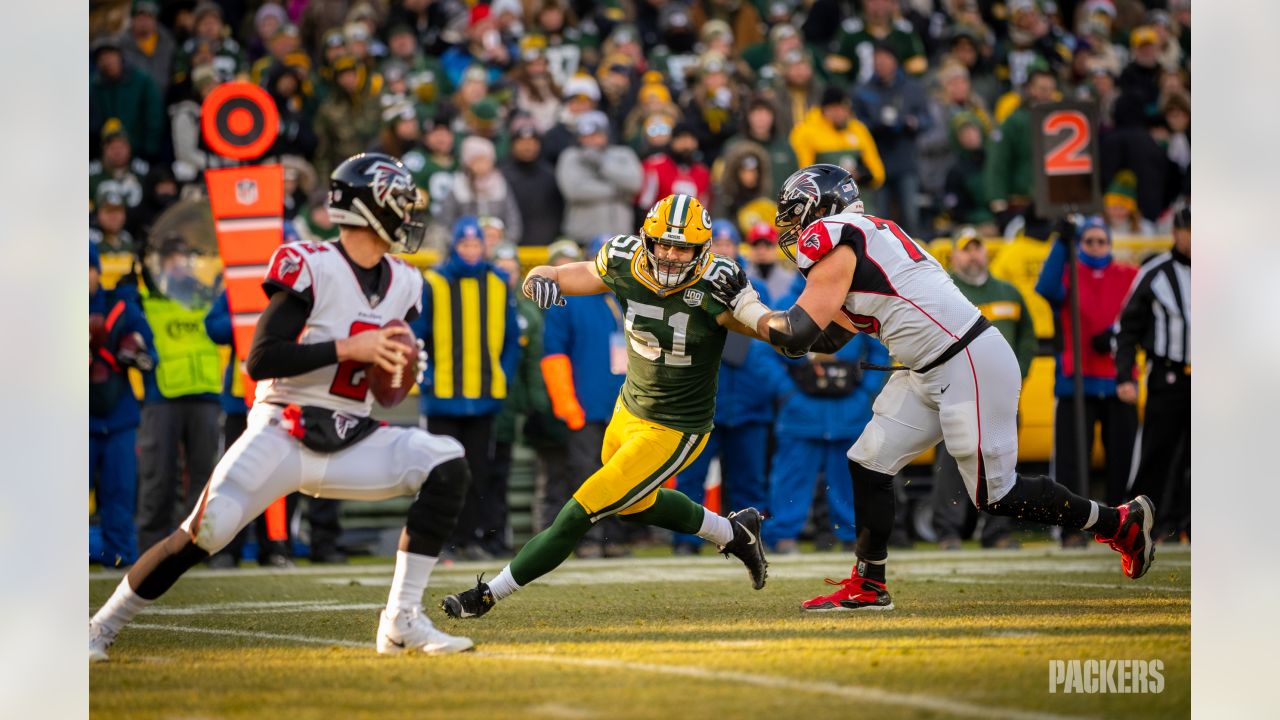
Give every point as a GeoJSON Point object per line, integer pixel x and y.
{"type": "Point", "coordinates": [490, 196]}
{"type": "Point", "coordinates": [599, 187]}
{"type": "Point", "coordinates": [135, 100]}
{"type": "Point", "coordinates": [1102, 294]}
{"type": "Point", "coordinates": [538, 199]}
{"type": "Point", "coordinates": [889, 110]}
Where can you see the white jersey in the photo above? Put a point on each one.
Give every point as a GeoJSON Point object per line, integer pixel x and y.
{"type": "Point", "coordinates": [320, 274]}
{"type": "Point", "coordinates": [899, 293]}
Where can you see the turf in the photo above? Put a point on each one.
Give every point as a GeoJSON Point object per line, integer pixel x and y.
{"type": "Point", "coordinates": [973, 636]}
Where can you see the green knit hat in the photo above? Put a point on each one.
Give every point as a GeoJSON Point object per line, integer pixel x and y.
{"type": "Point", "coordinates": [1123, 190]}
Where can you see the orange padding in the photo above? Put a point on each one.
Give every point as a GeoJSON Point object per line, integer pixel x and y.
{"type": "Point", "coordinates": [557, 372]}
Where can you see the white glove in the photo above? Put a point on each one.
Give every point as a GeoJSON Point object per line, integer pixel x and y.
{"type": "Point", "coordinates": [422, 362]}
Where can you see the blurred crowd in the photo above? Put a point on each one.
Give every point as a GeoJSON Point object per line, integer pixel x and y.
{"type": "Point", "coordinates": [553, 123]}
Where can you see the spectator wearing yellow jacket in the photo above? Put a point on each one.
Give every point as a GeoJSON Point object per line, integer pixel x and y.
{"type": "Point", "coordinates": [830, 133]}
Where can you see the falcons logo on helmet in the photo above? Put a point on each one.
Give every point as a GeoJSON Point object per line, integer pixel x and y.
{"type": "Point", "coordinates": [800, 185]}
{"type": "Point", "coordinates": [388, 180]}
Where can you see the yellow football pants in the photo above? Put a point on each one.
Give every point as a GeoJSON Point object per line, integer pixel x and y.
{"type": "Point", "coordinates": [638, 457]}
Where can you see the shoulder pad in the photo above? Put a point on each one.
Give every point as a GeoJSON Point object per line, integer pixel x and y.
{"type": "Point", "coordinates": [815, 242]}
{"type": "Point", "coordinates": [289, 267]}
{"type": "Point", "coordinates": [619, 251]}
{"type": "Point", "coordinates": [852, 25]}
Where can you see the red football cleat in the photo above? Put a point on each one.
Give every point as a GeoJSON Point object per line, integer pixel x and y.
{"type": "Point", "coordinates": [855, 593]}
{"type": "Point", "coordinates": [1133, 539]}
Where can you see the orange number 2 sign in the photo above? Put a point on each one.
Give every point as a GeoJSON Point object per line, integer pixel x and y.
{"type": "Point", "coordinates": [1069, 156]}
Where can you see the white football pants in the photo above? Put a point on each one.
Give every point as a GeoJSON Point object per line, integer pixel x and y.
{"type": "Point", "coordinates": [969, 402]}
{"type": "Point", "coordinates": [266, 463]}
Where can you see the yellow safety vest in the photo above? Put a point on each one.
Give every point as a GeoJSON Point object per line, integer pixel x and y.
{"type": "Point", "coordinates": [468, 317]}
{"type": "Point", "coordinates": [189, 362]}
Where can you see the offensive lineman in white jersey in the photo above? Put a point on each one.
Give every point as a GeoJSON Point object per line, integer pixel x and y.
{"type": "Point", "coordinates": [309, 429]}
{"type": "Point", "coordinates": [864, 274]}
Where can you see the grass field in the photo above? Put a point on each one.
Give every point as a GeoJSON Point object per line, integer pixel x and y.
{"type": "Point", "coordinates": [973, 636]}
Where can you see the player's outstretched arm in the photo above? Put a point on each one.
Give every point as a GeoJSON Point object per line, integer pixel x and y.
{"type": "Point", "coordinates": [794, 331]}
{"type": "Point", "coordinates": [547, 285]}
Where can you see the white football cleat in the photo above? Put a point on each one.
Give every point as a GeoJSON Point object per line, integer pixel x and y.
{"type": "Point", "coordinates": [99, 640]}
{"type": "Point", "coordinates": [408, 630]}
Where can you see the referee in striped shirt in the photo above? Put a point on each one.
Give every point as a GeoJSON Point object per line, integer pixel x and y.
{"type": "Point", "coordinates": [1157, 316]}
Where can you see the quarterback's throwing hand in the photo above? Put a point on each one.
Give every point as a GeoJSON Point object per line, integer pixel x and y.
{"type": "Point", "coordinates": [543, 291]}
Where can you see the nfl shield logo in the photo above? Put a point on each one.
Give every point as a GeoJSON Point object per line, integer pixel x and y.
{"type": "Point", "coordinates": [693, 298]}
{"type": "Point", "coordinates": [247, 192]}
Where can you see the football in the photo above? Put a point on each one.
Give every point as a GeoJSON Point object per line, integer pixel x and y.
{"type": "Point", "coordinates": [390, 389]}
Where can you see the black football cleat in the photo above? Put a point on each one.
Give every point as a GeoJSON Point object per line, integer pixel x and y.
{"type": "Point", "coordinates": [469, 603]}
{"type": "Point", "coordinates": [746, 544]}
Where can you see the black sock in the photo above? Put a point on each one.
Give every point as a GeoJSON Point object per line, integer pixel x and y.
{"type": "Point", "coordinates": [873, 512]}
{"type": "Point", "coordinates": [1042, 500]}
{"type": "Point", "coordinates": [871, 571]}
{"type": "Point", "coordinates": [163, 563]}
{"type": "Point", "coordinates": [1108, 523]}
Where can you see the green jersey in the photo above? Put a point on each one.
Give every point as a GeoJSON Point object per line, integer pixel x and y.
{"type": "Point", "coordinates": [673, 340]}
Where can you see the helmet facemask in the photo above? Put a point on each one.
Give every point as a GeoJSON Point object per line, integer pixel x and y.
{"type": "Point", "coordinates": [671, 273]}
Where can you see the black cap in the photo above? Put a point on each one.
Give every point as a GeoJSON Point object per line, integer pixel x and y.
{"type": "Point", "coordinates": [884, 46]}
{"type": "Point", "coordinates": [834, 95]}
{"type": "Point", "coordinates": [682, 128]}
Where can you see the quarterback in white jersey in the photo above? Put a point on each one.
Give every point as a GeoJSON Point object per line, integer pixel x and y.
{"type": "Point", "coordinates": [309, 429]}
{"type": "Point", "coordinates": [960, 382]}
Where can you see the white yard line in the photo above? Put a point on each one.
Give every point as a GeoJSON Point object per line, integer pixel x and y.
{"type": "Point", "coordinates": [252, 634]}
{"type": "Point", "coordinates": [974, 560]}
{"type": "Point", "coordinates": [920, 701]}
{"type": "Point", "coordinates": [1134, 587]}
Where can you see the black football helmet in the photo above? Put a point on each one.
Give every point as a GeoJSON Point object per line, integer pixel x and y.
{"type": "Point", "coordinates": [813, 192]}
{"type": "Point", "coordinates": [376, 191]}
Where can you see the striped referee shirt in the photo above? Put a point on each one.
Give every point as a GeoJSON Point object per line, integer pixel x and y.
{"type": "Point", "coordinates": [1156, 314]}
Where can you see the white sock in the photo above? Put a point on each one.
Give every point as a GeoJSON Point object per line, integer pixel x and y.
{"type": "Point", "coordinates": [503, 585]}
{"type": "Point", "coordinates": [1093, 515]}
{"type": "Point", "coordinates": [120, 609]}
{"type": "Point", "coordinates": [410, 580]}
{"type": "Point", "coordinates": [715, 529]}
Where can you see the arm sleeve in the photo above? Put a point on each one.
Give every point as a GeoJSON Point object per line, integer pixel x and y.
{"type": "Point", "coordinates": [1050, 285]}
{"type": "Point", "coordinates": [276, 352]}
{"type": "Point", "coordinates": [1134, 320]}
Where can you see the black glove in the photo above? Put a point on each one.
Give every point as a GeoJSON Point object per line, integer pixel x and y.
{"type": "Point", "coordinates": [1065, 230]}
{"type": "Point", "coordinates": [1104, 342]}
{"type": "Point", "coordinates": [544, 291]}
{"type": "Point", "coordinates": [730, 288]}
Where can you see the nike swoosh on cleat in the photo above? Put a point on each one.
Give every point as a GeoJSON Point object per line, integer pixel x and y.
{"type": "Point", "coordinates": [748, 532]}
{"type": "Point", "coordinates": [944, 389]}
{"type": "Point", "coordinates": [393, 642]}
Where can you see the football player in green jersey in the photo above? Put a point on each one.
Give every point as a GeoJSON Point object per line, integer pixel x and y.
{"type": "Point", "coordinates": [675, 332]}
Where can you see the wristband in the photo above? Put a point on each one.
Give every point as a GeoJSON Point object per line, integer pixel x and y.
{"type": "Point", "coordinates": [749, 313]}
